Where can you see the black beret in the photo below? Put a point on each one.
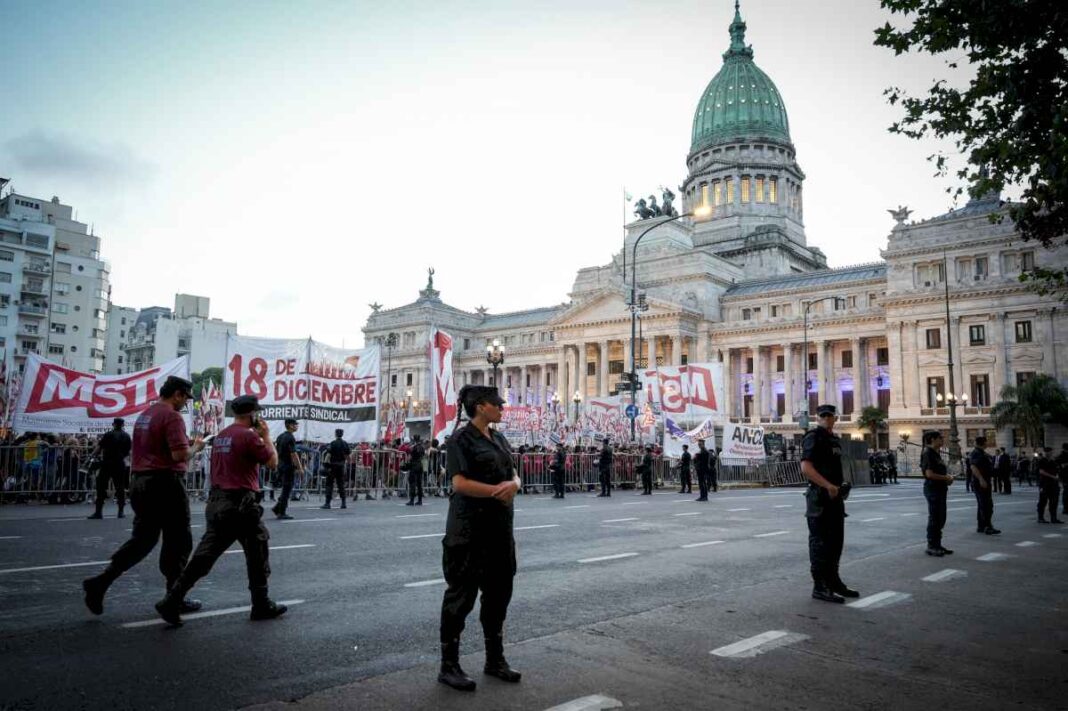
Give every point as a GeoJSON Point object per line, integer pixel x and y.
{"type": "Point", "coordinates": [471, 395]}
{"type": "Point", "coordinates": [244, 404]}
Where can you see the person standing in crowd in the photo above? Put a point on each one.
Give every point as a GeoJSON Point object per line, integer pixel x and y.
{"type": "Point", "coordinates": [160, 452]}
{"type": "Point", "coordinates": [703, 464]}
{"type": "Point", "coordinates": [479, 547]}
{"type": "Point", "coordinates": [1003, 471]}
{"type": "Point", "coordinates": [604, 467]}
{"type": "Point", "coordinates": [1023, 468]}
{"type": "Point", "coordinates": [821, 463]}
{"type": "Point", "coordinates": [891, 460]}
{"type": "Point", "coordinates": [289, 467]}
{"type": "Point", "coordinates": [1062, 472]}
{"type": "Point", "coordinates": [416, 470]}
{"type": "Point", "coordinates": [113, 448]}
{"type": "Point", "coordinates": [233, 512]}
{"type": "Point", "coordinates": [338, 451]}
{"type": "Point", "coordinates": [684, 471]}
{"type": "Point", "coordinates": [647, 471]}
{"type": "Point", "coordinates": [982, 471]}
{"type": "Point", "coordinates": [936, 483]}
{"type": "Point", "coordinates": [558, 470]}
{"type": "Point", "coordinates": [1049, 488]}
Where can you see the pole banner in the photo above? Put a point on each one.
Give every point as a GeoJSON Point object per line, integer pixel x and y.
{"type": "Point", "coordinates": [444, 386]}
{"type": "Point", "coordinates": [743, 442]}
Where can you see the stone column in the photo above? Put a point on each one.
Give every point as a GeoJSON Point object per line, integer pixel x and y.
{"type": "Point", "coordinates": [583, 369]}
{"type": "Point", "coordinates": [999, 378]}
{"type": "Point", "coordinates": [702, 355]}
{"type": "Point", "coordinates": [676, 350]}
{"type": "Point", "coordinates": [912, 364]}
{"type": "Point", "coordinates": [758, 385]}
{"type": "Point", "coordinates": [651, 347]}
{"type": "Point", "coordinates": [561, 371]}
{"type": "Point", "coordinates": [602, 370]}
{"type": "Point", "coordinates": [725, 397]}
{"type": "Point", "coordinates": [523, 395]}
{"type": "Point", "coordinates": [860, 375]}
{"type": "Point", "coordinates": [626, 354]}
{"type": "Point", "coordinates": [823, 371]}
{"type": "Point", "coordinates": [788, 385]}
{"type": "Point", "coordinates": [1045, 327]}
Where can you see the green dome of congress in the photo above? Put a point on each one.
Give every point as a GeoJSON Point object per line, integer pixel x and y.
{"type": "Point", "coordinates": [741, 102]}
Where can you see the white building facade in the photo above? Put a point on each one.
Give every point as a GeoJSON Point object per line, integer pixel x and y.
{"type": "Point", "coordinates": [157, 334]}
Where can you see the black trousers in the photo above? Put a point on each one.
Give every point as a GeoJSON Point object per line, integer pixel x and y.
{"type": "Point", "coordinates": [713, 482]}
{"type": "Point", "coordinates": [1006, 482]}
{"type": "Point", "coordinates": [231, 515]}
{"type": "Point", "coordinates": [1064, 497]}
{"type": "Point", "coordinates": [415, 485]}
{"type": "Point", "coordinates": [335, 473]}
{"type": "Point", "coordinates": [161, 507]}
{"type": "Point", "coordinates": [702, 483]}
{"type": "Point", "coordinates": [826, 538]}
{"type": "Point", "coordinates": [470, 568]}
{"type": "Point", "coordinates": [647, 482]}
{"type": "Point", "coordinates": [1047, 498]}
{"type": "Point", "coordinates": [119, 477]}
{"type": "Point", "coordinates": [936, 513]}
{"type": "Point", "coordinates": [686, 481]}
{"type": "Point", "coordinates": [558, 482]}
{"type": "Point", "coordinates": [606, 482]}
{"type": "Point", "coordinates": [984, 512]}
{"type": "Point", "coordinates": [288, 477]}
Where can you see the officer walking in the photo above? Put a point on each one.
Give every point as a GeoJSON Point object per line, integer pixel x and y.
{"type": "Point", "coordinates": [558, 469]}
{"type": "Point", "coordinates": [479, 547]}
{"type": "Point", "coordinates": [338, 451]}
{"type": "Point", "coordinates": [1062, 472]}
{"type": "Point", "coordinates": [647, 471]}
{"type": "Point", "coordinates": [703, 463]}
{"type": "Point", "coordinates": [416, 461]}
{"type": "Point", "coordinates": [160, 452]}
{"type": "Point", "coordinates": [1049, 488]}
{"type": "Point", "coordinates": [684, 471]}
{"type": "Point", "coordinates": [604, 468]}
{"type": "Point", "coordinates": [936, 483]}
{"type": "Point", "coordinates": [821, 463]}
{"type": "Point", "coordinates": [113, 448]}
{"type": "Point", "coordinates": [289, 467]}
{"type": "Point", "coordinates": [233, 512]}
{"type": "Point", "coordinates": [982, 471]}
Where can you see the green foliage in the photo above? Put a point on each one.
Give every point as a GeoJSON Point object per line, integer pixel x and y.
{"type": "Point", "coordinates": [1031, 406]}
{"type": "Point", "coordinates": [872, 419]}
{"type": "Point", "coordinates": [1011, 122]}
{"type": "Point", "coordinates": [210, 374]}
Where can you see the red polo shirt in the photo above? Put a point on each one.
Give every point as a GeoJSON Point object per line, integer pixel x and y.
{"type": "Point", "coordinates": [235, 454]}
{"type": "Point", "coordinates": [158, 430]}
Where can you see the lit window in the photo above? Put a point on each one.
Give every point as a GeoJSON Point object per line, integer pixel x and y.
{"type": "Point", "coordinates": [717, 192]}
{"type": "Point", "coordinates": [704, 193]}
{"type": "Point", "coordinates": [773, 190]}
{"type": "Point", "coordinates": [745, 188]}
{"type": "Point", "coordinates": [759, 197]}
{"type": "Point", "coordinates": [730, 191]}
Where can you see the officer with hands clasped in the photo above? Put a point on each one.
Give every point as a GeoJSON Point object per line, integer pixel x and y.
{"type": "Point", "coordinates": [821, 463]}
{"type": "Point", "coordinates": [936, 483]}
{"type": "Point", "coordinates": [233, 512]}
{"type": "Point", "coordinates": [479, 548]}
{"type": "Point", "coordinates": [113, 448]}
{"type": "Point", "coordinates": [338, 451]}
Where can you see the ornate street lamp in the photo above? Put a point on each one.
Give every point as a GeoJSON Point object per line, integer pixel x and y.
{"type": "Point", "coordinates": [577, 399]}
{"type": "Point", "coordinates": [495, 357]}
{"type": "Point", "coordinates": [953, 401]}
{"type": "Point", "coordinates": [954, 433]}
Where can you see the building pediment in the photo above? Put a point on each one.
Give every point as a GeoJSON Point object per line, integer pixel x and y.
{"type": "Point", "coordinates": [610, 305]}
{"type": "Point", "coordinates": [977, 358]}
{"type": "Point", "coordinates": [1027, 355]}
{"type": "Point", "coordinates": [931, 359]}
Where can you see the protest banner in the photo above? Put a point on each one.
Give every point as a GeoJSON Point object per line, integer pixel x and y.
{"type": "Point", "coordinates": [743, 442]}
{"type": "Point", "coordinates": [444, 398]}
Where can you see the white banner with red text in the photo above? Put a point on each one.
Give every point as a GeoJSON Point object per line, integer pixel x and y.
{"type": "Point", "coordinates": [322, 387]}
{"type": "Point", "coordinates": [686, 393]}
{"type": "Point", "coordinates": [59, 400]}
{"type": "Point", "coordinates": [444, 406]}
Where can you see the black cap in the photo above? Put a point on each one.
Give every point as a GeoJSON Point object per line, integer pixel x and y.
{"type": "Point", "coordinates": [826, 410]}
{"type": "Point", "coordinates": [173, 384]}
{"type": "Point", "coordinates": [649, 446]}
{"type": "Point", "coordinates": [118, 422]}
{"type": "Point", "coordinates": [339, 433]}
{"type": "Point", "coordinates": [291, 421]}
{"type": "Point", "coordinates": [245, 404]}
{"type": "Point", "coordinates": [471, 395]}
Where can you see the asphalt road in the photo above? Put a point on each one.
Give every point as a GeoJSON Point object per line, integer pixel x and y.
{"type": "Point", "coordinates": [628, 602]}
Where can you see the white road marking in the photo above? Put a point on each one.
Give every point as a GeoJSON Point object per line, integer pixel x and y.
{"type": "Point", "coordinates": [68, 519]}
{"type": "Point", "coordinates": [683, 501]}
{"type": "Point", "coordinates": [768, 535]}
{"type": "Point", "coordinates": [310, 520]}
{"type": "Point", "coordinates": [691, 513]}
{"type": "Point", "coordinates": [618, 520]}
{"type": "Point", "coordinates": [699, 545]}
{"type": "Point", "coordinates": [201, 615]}
{"type": "Point", "coordinates": [53, 567]}
{"type": "Point", "coordinates": [416, 515]}
{"type": "Point", "coordinates": [636, 503]}
{"type": "Point", "coordinates": [910, 514]}
{"type": "Point", "coordinates": [960, 508]}
{"type": "Point", "coordinates": [759, 644]}
{"type": "Point", "coordinates": [869, 520]}
{"type": "Point", "coordinates": [9, 538]}
{"type": "Point", "coordinates": [1026, 544]}
{"type": "Point", "coordinates": [883, 599]}
{"type": "Point", "coordinates": [422, 535]}
{"type": "Point", "coordinates": [424, 583]}
{"type": "Point", "coordinates": [596, 702]}
{"type": "Point", "coordinates": [531, 528]}
{"type": "Point", "coordinates": [275, 548]}
{"type": "Point", "coordinates": [1052, 535]}
{"type": "Point", "coordinates": [784, 506]}
{"type": "Point", "coordinates": [944, 575]}
{"type": "Point", "coordinates": [578, 506]}
{"type": "Point", "coordinates": [990, 557]}
{"type": "Point", "coordinates": [732, 510]}
{"type": "Point", "coordinates": [598, 559]}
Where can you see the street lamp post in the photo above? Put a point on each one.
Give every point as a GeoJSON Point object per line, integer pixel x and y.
{"type": "Point", "coordinates": [953, 401]}
{"type": "Point", "coordinates": [954, 433]}
{"type": "Point", "coordinates": [495, 357]}
{"type": "Point", "coordinates": [701, 211]}
{"type": "Point", "coordinates": [577, 399]}
{"type": "Point", "coordinates": [804, 356]}
{"type": "Point", "coordinates": [390, 342]}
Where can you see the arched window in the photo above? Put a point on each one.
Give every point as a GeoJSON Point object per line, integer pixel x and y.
{"type": "Point", "coordinates": [745, 188]}
{"type": "Point", "coordinates": [773, 190]}
{"type": "Point", "coordinates": [759, 189]}
{"type": "Point", "coordinates": [704, 194]}
{"type": "Point", "coordinates": [730, 190]}
{"type": "Point", "coordinates": [717, 192]}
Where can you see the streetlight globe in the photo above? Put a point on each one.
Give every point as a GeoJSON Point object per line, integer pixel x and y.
{"type": "Point", "coordinates": [939, 397]}
{"type": "Point", "coordinates": [577, 397]}
{"type": "Point", "coordinates": [496, 342]}
{"type": "Point", "coordinates": [964, 397]}
{"type": "Point", "coordinates": [702, 211]}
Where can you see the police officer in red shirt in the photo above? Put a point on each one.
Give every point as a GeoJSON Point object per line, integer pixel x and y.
{"type": "Point", "coordinates": [161, 452]}
{"type": "Point", "coordinates": [233, 512]}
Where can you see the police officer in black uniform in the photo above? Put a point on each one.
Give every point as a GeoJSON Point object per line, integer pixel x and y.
{"type": "Point", "coordinates": [982, 470]}
{"type": "Point", "coordinates": [416, 468]}
{"type": "Point", "coordinates": [1062, 472]}
{"type": "Point", "coordinates": [113, 448]}
{"type": "Point", "coordinates": [479, 548]}
{"type": "Point", "coordinates": [558, 468]}
{"type": "Point", "coordinates": [686, 484]}
{"type": "Point", "coordinates": [702, 462]}
{"type": "Point", "coordinates": [604, 467]}
{"type": "Point", "coordinates": [936, 483]}
{"type": "Point", "coordinates": [647, 471]}
{"type": "Point", "coordinates": [1048, 486]}
{"type": "Point", "coordinates": [338, 451]}
{"type": "Point", "coordinates": [821, 463]}
{"type": "Point", "coordinates": [289, 467]}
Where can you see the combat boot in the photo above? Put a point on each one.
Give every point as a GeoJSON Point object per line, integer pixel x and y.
{"type": "Point", "coordinates": [496, 664]}
{"type": "Point", "coordinates": [170, 608]}
{"type": "Point", "coordinates": [451, 674]}
{"type": "Point", "coordinates": [822, 592]}
{"type": "Point", "coordinates": [840, 588]}
{"type": "Point", "coordinates": [264, 608]}
{"type": "Point", "coordinates": [95, 588]}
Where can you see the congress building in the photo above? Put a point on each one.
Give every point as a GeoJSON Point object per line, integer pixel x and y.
{"type": "Point", "coordinates": [735, 285]}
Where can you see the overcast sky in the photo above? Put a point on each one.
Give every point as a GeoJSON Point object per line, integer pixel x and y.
{"type": "Point", "coordinates": [297, 161]}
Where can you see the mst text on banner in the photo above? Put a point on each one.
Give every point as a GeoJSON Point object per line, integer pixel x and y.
{"type": "Point", "coordinates": [444, 386]}
{"type": "Point", "coordinates": [61, 400]}
{"type": "Point", "coordinates": [323, 387]}
{"type": "Point", "coordinates": [687, 393]}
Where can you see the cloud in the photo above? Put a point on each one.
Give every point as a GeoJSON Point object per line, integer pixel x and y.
{"type": "Point", "coordinates": [63, 157]}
